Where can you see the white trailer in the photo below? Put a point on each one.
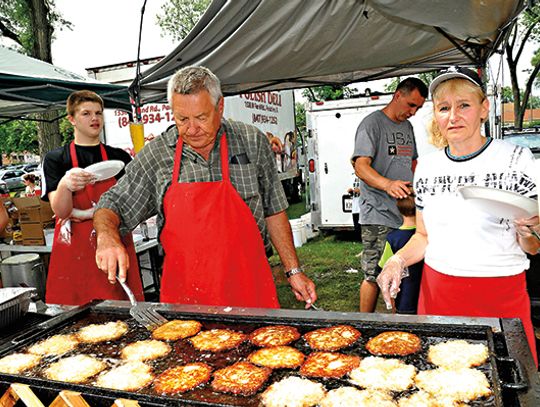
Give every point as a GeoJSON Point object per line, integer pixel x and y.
{"type": "Point", "coordinates": [331, 129]}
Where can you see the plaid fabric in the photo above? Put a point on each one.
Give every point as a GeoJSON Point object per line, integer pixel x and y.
{"type": "Point", "coordinates": [139, 194]}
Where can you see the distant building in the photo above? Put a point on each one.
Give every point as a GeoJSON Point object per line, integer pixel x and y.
{"type": "Point", "coordinates": [530, 116]}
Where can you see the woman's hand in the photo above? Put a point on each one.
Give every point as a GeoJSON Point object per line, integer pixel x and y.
{"type": "Point", "coordinates": [390, 278]}
{"type": "Point", "coordinates": [527, 227]}
{"type": "Point", "coordinates": [528, 234]}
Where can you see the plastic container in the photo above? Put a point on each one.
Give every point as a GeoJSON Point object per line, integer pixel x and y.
{"type": "Point", "coordinates": [298, 232]}
{"type": "Point", "coordinates": [24, 270]}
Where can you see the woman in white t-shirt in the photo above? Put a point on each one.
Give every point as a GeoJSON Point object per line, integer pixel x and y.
{"type": "Point", "coordinates": [475, 262]}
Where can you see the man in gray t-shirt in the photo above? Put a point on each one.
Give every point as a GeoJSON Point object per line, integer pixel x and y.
{"type": "Point", "coordinates": [384, 151]}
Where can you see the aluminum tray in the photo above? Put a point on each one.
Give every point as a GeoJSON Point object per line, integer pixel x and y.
{"type": "Point", "coordinates": [14, 302]}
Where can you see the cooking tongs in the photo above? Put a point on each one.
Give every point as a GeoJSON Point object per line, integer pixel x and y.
{"type": "Point", "coordinates": [144, 314]}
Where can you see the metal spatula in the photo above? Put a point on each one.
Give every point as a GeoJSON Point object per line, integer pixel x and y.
{"type": "Point", "coordinates": [144, 314]}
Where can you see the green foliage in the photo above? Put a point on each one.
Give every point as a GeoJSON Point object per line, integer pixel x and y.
{"type": "Point", "coordinates": [18, 136]}
{"type": "Point", "coordinates": [327, 92]}
{"type": "Point", "coordinates": [180, 16]}
{"type": "Point", "coordinates": [300, 116]}
{"type": "Point", "coordinates": [426, 77]}
{"type": "Point", "coordinates": [66, 130]}
{"type": "Point", "coordinates": [15, 17]}
{"type": "Point", "coordinates": [507, 94]}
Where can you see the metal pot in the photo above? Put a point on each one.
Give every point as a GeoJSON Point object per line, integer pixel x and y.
{"type": "Point", "coordinates": [24, 270]}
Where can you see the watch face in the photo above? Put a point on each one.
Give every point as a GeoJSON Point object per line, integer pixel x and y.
{"type": "Point", "coordinates": [292, 272]}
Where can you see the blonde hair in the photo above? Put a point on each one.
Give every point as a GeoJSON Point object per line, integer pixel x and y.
{"type": "Point", "coordinates": [455, 85]}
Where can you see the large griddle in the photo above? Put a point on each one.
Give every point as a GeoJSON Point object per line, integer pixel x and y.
{"type": "Point", "coordinates": [510, 369]}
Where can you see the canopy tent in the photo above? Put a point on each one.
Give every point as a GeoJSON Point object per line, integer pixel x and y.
{"type": "Point", "coordinates": [28, 85]}
{"type": "Point", "coordinates": [274, 44]}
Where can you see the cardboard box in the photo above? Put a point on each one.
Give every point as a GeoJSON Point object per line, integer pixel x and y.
{"type": "Point", "coordinates": [32, 234]}
{"type": "Point", "coordinates": [32, 210]}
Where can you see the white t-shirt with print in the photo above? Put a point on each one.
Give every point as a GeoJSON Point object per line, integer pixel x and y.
{"type": "Point", "coordinates": [464, 240]}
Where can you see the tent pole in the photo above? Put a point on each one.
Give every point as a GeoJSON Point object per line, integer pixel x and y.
{"type": "Point", "coordinates": [136, 127]}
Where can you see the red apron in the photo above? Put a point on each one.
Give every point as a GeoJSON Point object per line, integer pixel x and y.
{"type": "Point", "coordinates": [73, 277]}
{"type": "Point", "coordinates": [214, 253]}
{"type": "Point", "coordinates": [496, 297]}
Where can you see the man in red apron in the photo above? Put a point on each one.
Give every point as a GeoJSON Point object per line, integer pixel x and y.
{"type": "Point", "coordinates": [214, 186]}
{"type": "Point", "coordinates": [73, 277]}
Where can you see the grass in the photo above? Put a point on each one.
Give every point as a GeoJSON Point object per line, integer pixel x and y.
{"type": "Point", "coordinates": [325, 259]}
{"type": "Point", "coordinates": [294, 211]}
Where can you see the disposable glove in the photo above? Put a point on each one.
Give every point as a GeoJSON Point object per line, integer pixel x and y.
{"type": "Point", "coordinates": [389, 279]}
{"type": "Point", "coordinates": [76, 179]}
{"type": "Point", "coordinates": [526, 227]}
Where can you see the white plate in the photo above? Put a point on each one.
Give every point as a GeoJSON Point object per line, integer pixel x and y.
{"type": "Point", "coordinates": [499, 203]}
{"type": "Point", "coordinates": [105, 169]}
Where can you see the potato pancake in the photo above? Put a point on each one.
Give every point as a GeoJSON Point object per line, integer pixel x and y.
{"type": "Point", "coordinates": [182, 378]}
{"type": "Point", "coordinates": [332, 338]}
{"type": "Point", "coordinates": [18, 362]}
{"type": "Point", "coordinates": [177, 329]}
{"type": "Point", "coordinates": [277, 357]}
{"type": "Point", "coordinates": [216, 340]}
{"type": "Point", "coordinates": [95, 333]}
{"type": "Point", "coordinates": [329, 364]}
{"type": "Point", "coordinates": [462, 384]}
{"type": "Point", "coordinates": [145, 350]}
{"type": "Point", "coordinates": [241, 378]}
{"type": "Point", "coordinates": [130, 376]}
{"type": "Point", "coordinates": [352, 397]}
{"type": "Point", "coordinates": [75, 369]}
{"type": "Point", "coordinates": [383, 374]}
{"type": "Point", "coordinates": [394, 343]}
{"type": "Point", "coordinates": [456, 354]}
{"type": "Point", "coordinates": [293, 392]}
{"type": "Point", "coordinates": [55, 345]}
{"type": "Point", "coordinates": [275, 335]}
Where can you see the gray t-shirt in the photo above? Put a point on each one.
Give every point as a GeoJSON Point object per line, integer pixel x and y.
{"type": "Point", "coordinates": [392, 149]}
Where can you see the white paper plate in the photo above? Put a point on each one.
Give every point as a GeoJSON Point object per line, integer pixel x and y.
{"type": "Point", "coordinates": [105, 169]}
{"type": "Point", "coordinates": [499, 203]}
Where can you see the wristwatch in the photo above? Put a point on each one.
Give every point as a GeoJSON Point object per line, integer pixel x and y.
{"type": "Point", "coordinates": [294, 271]}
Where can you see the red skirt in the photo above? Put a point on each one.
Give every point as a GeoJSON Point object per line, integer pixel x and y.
{"type": "Point", "coordinates": [496, 297]}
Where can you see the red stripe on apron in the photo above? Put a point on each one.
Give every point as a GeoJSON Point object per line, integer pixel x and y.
{"type": "Point", "coordinates": [496, 297]}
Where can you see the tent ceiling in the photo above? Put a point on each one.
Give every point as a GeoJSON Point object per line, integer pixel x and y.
{"type": "Point", "coordinates": [28, 85]}
{"type": "Point", "coordinates": [276, 44]}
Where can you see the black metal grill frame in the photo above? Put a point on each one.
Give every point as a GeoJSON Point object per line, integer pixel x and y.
{"type": "Point", "coordinates": [512, 381]}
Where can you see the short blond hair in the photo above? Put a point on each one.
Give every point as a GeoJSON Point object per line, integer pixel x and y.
{"type": "Point", "coordinates": [456, 85]}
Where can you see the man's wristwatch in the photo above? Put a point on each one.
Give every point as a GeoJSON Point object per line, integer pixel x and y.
{"type": "Point", "coordinates": [294, 271]}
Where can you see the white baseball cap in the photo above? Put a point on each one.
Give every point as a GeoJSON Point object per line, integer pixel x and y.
{"type": "Point", "coordinates": [456, 72]}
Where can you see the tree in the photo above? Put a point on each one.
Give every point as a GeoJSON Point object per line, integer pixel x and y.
{"type": "Point", "coordinates": [526, 31]}
{"type": "Point", "coordinates": [30, 24]}
{"type": "Point", "coordinates": [180, 16]}
{"type": "Point", "coordinates": [507, 94]}
{"type": "Point", "coordinates": [300, 116]}
{"type": "Point", "coordinates": [18, 136]}
{"type": "Point", "coordinates": [426, 77]}
{"type": "Point", "coordinates": [327, 92]}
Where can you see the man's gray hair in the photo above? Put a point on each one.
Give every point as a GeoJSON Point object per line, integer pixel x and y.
{"type": "Point", "coordinates": [193, 79]}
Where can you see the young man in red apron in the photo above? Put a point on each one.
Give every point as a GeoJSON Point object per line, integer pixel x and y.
{"type": "Point", "coordinates": [214, 250]}
{"type": "Point", "coordinates": [73, 277]}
